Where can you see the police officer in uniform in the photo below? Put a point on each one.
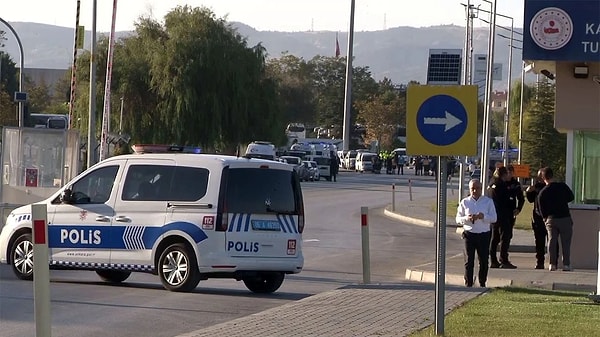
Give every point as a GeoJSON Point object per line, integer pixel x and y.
{"type": "Point", "coordinates": [500, 192]}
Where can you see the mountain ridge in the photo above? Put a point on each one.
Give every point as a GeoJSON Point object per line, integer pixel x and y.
{"type": "Point", "coordinates": [398, 53]}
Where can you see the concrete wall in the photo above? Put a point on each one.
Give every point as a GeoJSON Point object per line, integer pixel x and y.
{"type": "Point", "coordinates": [577, 99]}
{"type": "Point", "coordinates": [586, 228]}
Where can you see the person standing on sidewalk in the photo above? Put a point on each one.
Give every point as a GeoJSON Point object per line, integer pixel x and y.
{"type": "Point", "coordinates": [537, 222]}
{"type": "Point", "coordinates": [553, 204]}
{"type": "Point", "coordinates": [517, 199]}
{"type": "Point", "coordinates": [500, 192]}
{"type": "Point", "coordinates": [475, 214]}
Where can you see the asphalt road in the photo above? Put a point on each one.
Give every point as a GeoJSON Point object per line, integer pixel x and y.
{"type": "Point", "coordinates": [82, 305]}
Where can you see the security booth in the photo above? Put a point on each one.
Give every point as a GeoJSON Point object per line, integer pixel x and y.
{"type": "Point", "coordinates": [561, 40]}
{"type": "Point", "coordinates": [36, 162]}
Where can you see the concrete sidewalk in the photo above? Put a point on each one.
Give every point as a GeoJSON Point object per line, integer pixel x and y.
{"type": "Point", "coordinates": [402, 308]}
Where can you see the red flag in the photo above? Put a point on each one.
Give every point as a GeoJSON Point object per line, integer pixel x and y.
{"type": "Point", "coordinates": [337, 46]}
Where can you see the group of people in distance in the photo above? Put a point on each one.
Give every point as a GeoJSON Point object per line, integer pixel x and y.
{"type": "Point", "coordinates": [488, 220]}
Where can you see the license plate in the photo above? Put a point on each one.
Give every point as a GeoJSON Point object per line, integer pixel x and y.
{"type": "Point", "coordinates": [266, 225]}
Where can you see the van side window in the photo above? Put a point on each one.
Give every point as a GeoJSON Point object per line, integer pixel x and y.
{"type": "Point", "coordinates": [164, 183]}
{"type": "Point", "coordinates": [189, 184]}
{"type": "Point", "coordinates": [95, 188]}
{"type": "Point", "coordinates": [147, 182]}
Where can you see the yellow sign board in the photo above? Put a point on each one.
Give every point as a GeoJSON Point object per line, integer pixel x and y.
{"type": "Point", "coordinates": [441, 120]}
{"type": "Point", "coordinates": [80, 37]}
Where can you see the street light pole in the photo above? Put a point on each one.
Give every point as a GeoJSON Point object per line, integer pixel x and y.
{"type": "Point", "coordinates": [91, 144]}
{"type": "Point", "coordinates": [467, 80]}
{"type": "Point", "coordinates": [520, 154]}
{"type": "Point", "coordinates": [488, 98]}
{"type": "Point", "coordinates": [507, 115]}
{"type": "Point", "coordinates": [348, 96]}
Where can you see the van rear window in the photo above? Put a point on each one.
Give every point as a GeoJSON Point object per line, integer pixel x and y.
{"type": "Point", "coordinates": [255, 190]}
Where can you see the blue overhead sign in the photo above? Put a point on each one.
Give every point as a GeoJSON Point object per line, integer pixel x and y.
{"type": "Point", "coordinates": [562, 30]}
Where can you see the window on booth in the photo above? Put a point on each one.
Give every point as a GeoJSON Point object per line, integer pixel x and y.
{"type": "Point", "coordinates": [586, 176]}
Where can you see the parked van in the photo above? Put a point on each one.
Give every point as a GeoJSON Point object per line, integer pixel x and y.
{"type": "Point", "coordinates": [185, 217]}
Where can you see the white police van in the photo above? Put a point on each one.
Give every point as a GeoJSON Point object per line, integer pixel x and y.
{"type": "Point", "coordinates": [186, 217]}
{"type": "Point", "coordinates": [261, 150]}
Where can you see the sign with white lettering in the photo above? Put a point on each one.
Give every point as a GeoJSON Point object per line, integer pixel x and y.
{"type": "Point", "coordinates": [562, 30]}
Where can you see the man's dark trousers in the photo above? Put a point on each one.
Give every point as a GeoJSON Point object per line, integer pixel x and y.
{"type": "Point", "coordinates": [480, 243]}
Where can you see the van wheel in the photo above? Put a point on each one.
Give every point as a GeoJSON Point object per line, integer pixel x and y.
{"type": "Point", "coordinates": [178, 269]}
{"type": "Point", "coordinates": [113, 276]}
{"type": "Point", "coordinates": [21, 256]}
{"type": "Point", "coordinates": [264, 283]}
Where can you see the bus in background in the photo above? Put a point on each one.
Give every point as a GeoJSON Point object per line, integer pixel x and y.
{"type": "Point", "coordinates": [47, 121]}
{"type": "Point", "coordinates": [296, 130]}
{"type": "Point", "coordinates": [262, 150]}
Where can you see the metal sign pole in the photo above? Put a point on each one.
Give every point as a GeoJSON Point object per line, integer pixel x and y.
{"type": "Point", "coordinates": [440, 266]}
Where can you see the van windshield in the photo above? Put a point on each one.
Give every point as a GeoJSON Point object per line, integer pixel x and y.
{"type": "Point", "coordinates": [258, 190]}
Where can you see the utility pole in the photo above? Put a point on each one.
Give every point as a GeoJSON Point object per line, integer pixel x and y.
{"type": "Point", "coordinates": [485, 163]}
{"type": "Point", "coordinates": [467, 80]}
{"type": "Point", "coordinates": [91, 144]}
{"type": "Point", "coordinates": [348, 96]}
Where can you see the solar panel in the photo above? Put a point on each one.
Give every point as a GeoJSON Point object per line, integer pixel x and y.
{"type": "Point", "coordinates": [444, 66]}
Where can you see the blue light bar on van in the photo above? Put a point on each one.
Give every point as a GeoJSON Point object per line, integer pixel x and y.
{"type": "Point", "coordinates": [154, 148]}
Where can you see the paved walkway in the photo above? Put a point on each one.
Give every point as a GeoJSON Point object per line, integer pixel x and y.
{"type": "Point", "coordinates": [398, 309]}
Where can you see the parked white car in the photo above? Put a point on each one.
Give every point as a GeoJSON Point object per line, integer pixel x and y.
{"type": "Point", "coordinates": [364, 161]}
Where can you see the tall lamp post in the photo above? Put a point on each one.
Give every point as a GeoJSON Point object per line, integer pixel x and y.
{"type": "Point", "coordinates": [520, 146]}
{"type": "Point", "coordinates": [21, 68]}
{"type": "Point", "coordinates": [505, 154]}
{"type": "Point", "coordinates": [488, 97]}
{"type": "Point", "coordinates": [348, 96]}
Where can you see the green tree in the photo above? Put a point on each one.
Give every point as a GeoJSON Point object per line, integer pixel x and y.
{"type": "Point", "coordinates": [8, 115]}
{"type": "Point", "coordinates": [8, 73]}
{"type": "Point", "coordinates": [515, 108]}
{"type": "Point", "coordinates": [293, 77]}
{"type": "Point", "coordinates": [39, 97]}
{"type": "Point", "coordinates": [382, 114]}
{"type": "Point", "coordinates": [543, 145]}
{"type": "Point", "coordinates": [329, 75]}
{"type": "Point", "coordinates": [213, 87]}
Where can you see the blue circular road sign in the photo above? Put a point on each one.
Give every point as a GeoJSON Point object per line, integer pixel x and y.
{"type": "Point", "coordinates": [442, 120]}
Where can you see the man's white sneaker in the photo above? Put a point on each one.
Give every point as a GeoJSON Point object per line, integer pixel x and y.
{"type": "Point", "coordinates": [552, 267]}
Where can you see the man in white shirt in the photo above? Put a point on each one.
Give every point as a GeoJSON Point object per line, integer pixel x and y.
{"type": "Point", "coordinates": [475, 213]}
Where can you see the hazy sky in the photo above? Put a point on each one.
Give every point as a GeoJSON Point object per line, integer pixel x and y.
{"type": "Point", "coordinates": [280, 15]}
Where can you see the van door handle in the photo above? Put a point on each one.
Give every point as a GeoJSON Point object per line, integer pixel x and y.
{"type": "Point", "coordinates": [121, 218]}
{"type": "Point", "coordinates": [103, 218]}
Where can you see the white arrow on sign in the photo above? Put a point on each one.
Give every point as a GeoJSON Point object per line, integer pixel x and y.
{"type": "Point", "coordinates": [450, 121]}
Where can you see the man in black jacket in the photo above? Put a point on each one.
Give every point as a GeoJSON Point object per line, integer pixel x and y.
{"type": "Point", "coordinates": [537, 222]}
{"type": "Point", "coordinates": [500, 192]}
{"type": "Point", "coordinates": [553, 204]}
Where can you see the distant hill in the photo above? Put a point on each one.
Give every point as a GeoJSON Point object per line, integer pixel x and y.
{"type": "Point", "coordinates": [398, 53]}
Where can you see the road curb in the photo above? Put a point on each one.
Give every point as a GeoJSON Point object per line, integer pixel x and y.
{"type": "Point", "coordinates": [415, 221]}
{"type": "Point", "coordinates": [423, 276]}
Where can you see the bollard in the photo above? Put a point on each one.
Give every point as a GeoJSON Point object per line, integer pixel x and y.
{"type": "Point", "coordinates": [393, 197]}
{"type": "Point", "coordinates": [410, 189]}
{"type": "Point", "coordinates": [41, 270]}
{"type": "Point", "coordinates": [366, 263]}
